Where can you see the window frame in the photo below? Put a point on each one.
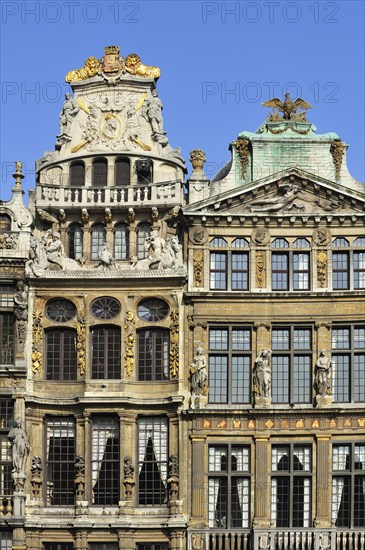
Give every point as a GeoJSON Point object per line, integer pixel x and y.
{"type": "Point", "coordinates": [6, 462]}
{"type": "Point", "coordinates": [66, 462]}
{"type": "Point", "coordinates": [160, 340]}
{"type": "Point", "coordinates": [121, 242]}
{"type": "Point", "coordinates": [291, 473]}
{"type": "Point", "coordinates": [351, 352]}
{"type": "Point", "coordinates": [229, 474]}
{"type": "Point", "coordinates": [72, 176]}
{"type": "Point", "coordinates": [115, 461]}
{"type": "Point", "coordinates": [62, 332]}
{"type": "Point", "coordinates": [350, 473]}
{"type": "Point", "coordinates": [292, 254]}
{"type": "Point", "coordinates": [230, 353]}
{"type": "Point", "coordinates": [75, 250]}
{"type": "Point", "coordinates": [97, 239]}
{"type": "Point", "coordinates": [292, 353]}
{"type": "Point", "coordinates": [108, 365]}
{"type": "Point", "coordinates": [7, 352]}
{"type": "Point", "coordinates": [354, 255]}
{"type": "Point", "coordinates": [226, 254]}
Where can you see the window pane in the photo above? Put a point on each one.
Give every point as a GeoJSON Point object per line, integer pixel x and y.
{"type": "Point", "coordinates": [240, 243]}
{"type": "Point", "coordinates": [280, 379]}
{"type": "Point", "coordinates": [105, 460]}
{"type": "Point", "coordinates": [143, 231]}
{"type": "Point", "coordinates": [302, 458]}
{"type": "Point", "coordinates": [122, 171]}
{"type": "Point", "coordinates": [106, 352]}
{"type": "Point", "coordinates": [239, 502]}
{"type": "Point", "coordinates": [280, 243]}
{"type": "Point", "coordinates": [300, 271]}
{"type": "Point", "coordinates": [279, 458]}
{"type": "Point", "coordinates": [280, 501]}
{"type": "Point", "coordinates": [218, 339]}
{"type": "Point", "coordinates": [279, 268]}
{"type": "Point", "coordinates": [153, 355]}
{"type": "Point", "coordinates": [60, 474]}
{"type": "Point", "coordinates": [6, 338]}
{"type": "Point", "coordinates": [218, 502]}
{"type": "Point", "coordinates": [302, 379]}
{"type": "Point", "coordinates": [239, 271]}
{"type": "Point", "coordinates": [359, 338]}
{"type": "Point", "coordinates": [218, 371]}
{"type": "Point", "coordinates": [359, 457]}
{"type": "Point", "coordinates": [341, 338]}
{"type": "Point", "coordinates": [301, 502]}
{"type": "Point", "coordinates": [280, 339]}
{"type": "Point", "coordinates": [341, 457]}
{"type": "Point", "coordinates": [359, 377]}
{"type": "Point", "coordinates": [218, 242]}
{"type": "Point", "coordinates": [218, 267]}
{"type": "Point", "coordinates": [77, 174]}
{"type": "Point", "coordinates": [218, 459]}
{"type": "Point", "coordinates": [241, 339]}
{"type": "Point", "coordinates": [340, 270]}
{"type": "Point", "coordinates": [100, 173]}
{"type": "Point", "coordinates": [152, 460]}
{"type": "Point", "coordinates": [302, 339]}
{"type": "Point", "coordinates": [61, 355]}
{"type": "Point", "coordinates": [341, 377]}
{"type": "Point", "coordinates": [240, 457]}
{"type": "Point", "coordinates": [241, 387]}
{"type": "Point", "coordinates": [97, 240]}
{"type": "Point", "coordinates": [75, 235]}
{"type": "Point", "coordinates": [359, 270]}
{"type": "Point", "coordinates": [121, 242]}
{"type": "Point", "coordinates": [6, 466]}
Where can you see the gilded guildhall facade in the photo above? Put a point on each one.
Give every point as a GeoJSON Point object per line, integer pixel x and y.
{"type": "Point", "coordinates": [182, 362]}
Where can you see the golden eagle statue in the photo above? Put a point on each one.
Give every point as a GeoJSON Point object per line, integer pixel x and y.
{"type": "Point", "coordinates": [288, 107]}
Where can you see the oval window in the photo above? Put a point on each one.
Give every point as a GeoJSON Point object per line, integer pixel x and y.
{"type": "Point", "coordinates": [60, 310]}
{"type": "Point", "coordinates": [153, 310]}
{"type": "Point", "coordinates": [105, 307]}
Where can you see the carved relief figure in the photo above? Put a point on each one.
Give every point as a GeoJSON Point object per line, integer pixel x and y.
{"type": "Point", "coordinates": [199, 373]}
{"type": "Point", "coordinates": [323, 374]}
{"type": "Point", "coordinates": [159, 258]}
{"type": "Point", "coordinates": [262, 373]}
{"type": "Point", "coordinates": [19, 446]}
{"type": "Point", "coordinates": [284, 198]}
{"type": "Point", "coordinates": [128, 467]}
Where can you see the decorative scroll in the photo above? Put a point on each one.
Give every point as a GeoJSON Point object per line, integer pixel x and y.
{"type": "Point", "coordinates": [260, 270]}
{"type": "Point", "coordinates": [81, 340]}
{"type": "Point", "coordinates": [129, 326]}
{"type": "Point", "coordinates": [242, 148]}
{"type": "Point", "coordinates": [174, 343]}
{"type": "Point", "coordinates": [198, 259]}
{"type": "Point", "coordinates": [322, 268]}
{"type": "Point", "coordinates": [37, 332]}
{"type": "Point", "coordinates": [337, 152]}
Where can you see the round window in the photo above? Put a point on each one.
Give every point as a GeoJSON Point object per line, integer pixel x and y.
{"type": "Point", "coordinates": [60, 310]}
{"type": "Point", "coordinates": [152, 310]}
{"type": "Point", "coordinates": [105, 307]}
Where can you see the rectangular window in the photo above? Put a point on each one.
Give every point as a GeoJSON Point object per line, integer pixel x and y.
{"type": "Point", "coordinates": [218, 270]}
{"type": "Point", "coordinates": [340, 270]}
{"type": "Point", "coordinates": [228, 486]}
{"type": "Point", "coordinates": [58, 546]}
{"type": "Point", "coordinates": [6, 423]}
{"type": "Point", "coordinates": [6, 413]}
{"type": "Point", "coordinates": [153, 354]}
{"type": "Point", "coordinates": [348, 364]}
{"type": "Point", "coordinates": [359, 270]}
{"type": "Point", "coordinates": [103, 546]}
{"type": "Point", "coordinates": [230, 359]}
{"type": "Point", "coordinates": [300, 271]}
{"type": "Point", "coordinates": [105, 460]}
{"type": "Point", "coordinates": [152, 460]}
{"type": "Point", "coordinates": [7, 323]}
{"type": "Point", "coordinates": [106, 352]}
{"type": "Point", "coordinates": [291, 365]}
{"type": "Point", "coordinates": [6, 540]}
{"type": "Point", "coordinates": [61, 355]}
{"type": "Point", "coordinates": [348, 485]}
{"type": "Point", "coordinates": [291, 467]}
{"type": "Point", "coordinates": [280, 270]}
{"type": "Point", "coordinates": [152, 546]}
{"type": "Point", "coordinates": [239, 271]}
{"type": "Point", "coordinates": [60, 462]}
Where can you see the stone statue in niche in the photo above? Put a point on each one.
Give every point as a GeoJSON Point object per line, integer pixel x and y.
{"type": "Point", "coordinates": [69, 111]}
{"type": "Point", "coordinates": [199, 373]}
{"type": "Point", "coordinates": [21, 312]}
{"type": "Point", "coordinates": [262, 374]}
{"type": "Point", "coordinates": [19, 446]}
{"type": "Point", "coordinates": [152, 111]}
{"type": "Point", "coordinates": [323, 374]}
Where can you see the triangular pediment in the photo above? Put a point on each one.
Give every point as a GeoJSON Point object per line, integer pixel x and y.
{"type": "Point", "coordinates": [289, 192]}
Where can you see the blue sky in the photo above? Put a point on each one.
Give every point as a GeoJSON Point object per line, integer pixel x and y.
{"type": "Point", "coordinates": [219, 62]}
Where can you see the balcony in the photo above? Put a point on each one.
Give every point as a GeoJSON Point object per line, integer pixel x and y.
{"type": "Point", "coordinates": [277, 539]}
{"type": "Point", "coordinates": [160, 193]}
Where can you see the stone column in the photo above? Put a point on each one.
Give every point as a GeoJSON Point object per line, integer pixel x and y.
{"type": "Point", "coordinates": [126, 540]}
{"type": "Point", "coordinates": [173, 478]}
{"type": "Point", "coordinates": [324, 469]}
{"type": "Point", "coordinates": [262, 482]}
{"type": "Point", "coordinates": [88, 451]}
{"type": "Point", "coordinates": [127, 423]}
{"type": "Point", "coordinates": [198, 487]}
{"type": "Point", "coordinates": [81, 503]}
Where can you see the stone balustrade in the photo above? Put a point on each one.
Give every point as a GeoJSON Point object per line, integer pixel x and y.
{"type": "Point", "coordinates": [277, 539]}
{"type": "Point", "coordinates": [6, 506]}
{"type": "Point", "coordinates": [159, 193]}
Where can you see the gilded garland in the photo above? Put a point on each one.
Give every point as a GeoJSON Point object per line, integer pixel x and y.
{"type": "Point", "coordinates": [129, 326]}
{"type": "Point", "coordinates": [81, 340]}
{"type": "Point", "coordinates": [37, 332]}
{"type": "Point", "coordinates": [174, 343]}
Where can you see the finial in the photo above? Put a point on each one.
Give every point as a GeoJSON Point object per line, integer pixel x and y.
{"type": "Point", "coordinates": [197, 159]}
{"type": "Point", "coordinates": [18, 175]}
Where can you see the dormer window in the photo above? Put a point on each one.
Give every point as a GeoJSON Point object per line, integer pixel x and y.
{"type": "Point", "coordinates": [77, 174]}
{"type": "Point", "coordinates": [100, 173]}
{"type": "Point", "coordinates": [122, 171]}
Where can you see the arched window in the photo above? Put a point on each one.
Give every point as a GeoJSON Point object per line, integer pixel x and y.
{"type": "Point", "coordinates": [143, 231]}
{"type": "Point", "coordinates": [61, 356]}
{"type": "Point", "coordinates": [340, 242]}
{"type": "Point", "coordinates": [144, 170]}
{"type": "Point", "coordinates": [122, 171]}
{"type": "Point", "coordinates": [77, 174]}
{"type": "Point", "coordinates": [280, 243]}
{"type": "Point", "coordinates": [105, 352]}
{"type": "Point", "coordinates": [121, 242]}
{"type": "Point", "coordinates": [5, 223]}
{"type": "Point", "coordinates": [301, 243]}
{"type": "Point", "coordinates": [98, 239]}
{"type": "Point", "coordinates": [75, 241]}
{"type": "Point", "coordinates": [153, 354]}
{"type": "Point", "coordinates": [100, 173]}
